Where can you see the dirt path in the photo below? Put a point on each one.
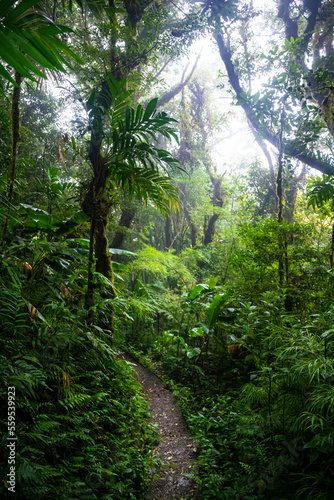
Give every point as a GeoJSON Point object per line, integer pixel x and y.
{"type": "Point", "coordinates": [176, 448]}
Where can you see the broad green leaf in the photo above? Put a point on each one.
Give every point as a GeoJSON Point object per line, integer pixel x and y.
{"type": "Point", "coordinates": [20, 9]}
{"type": "Point", "coordinates": [6, 75]}
{"type": "Point", "coordinates": [215, 308]}
{"type": "Point", "coordinates": [212, 283]}
{"type": "Point", "coordinates": [119, 251]}
{"type": "Point", "coordinates": [78, 241]}
{"type": "Point", "coordinates": [119, 267]}
{"type": "Point", "coordinates": [11, 55]}
{"type": "Point", "coordinates": [30, 207]}
{"type": "Point", "coordinates": [46, 49]}
{"type": "Point", "coordinates": [53, 29]}
{"type": "Point", "coordinates": [197, 290]}
{"type": "Point", "coordinates": [196, 332]}
{"type": "Point", "coordinates": [62, 47]}
{"type": "Point", "coordinates": [181, 341]}
{"type": "Point", "coordinates": [27, 31]}
{"type": "Point", "coordinates": [192, 352]}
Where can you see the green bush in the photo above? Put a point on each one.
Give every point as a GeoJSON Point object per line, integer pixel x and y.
{"type": "Point", "coordinates": [80, 420]}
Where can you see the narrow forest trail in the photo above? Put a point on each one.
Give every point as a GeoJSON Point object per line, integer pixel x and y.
{"type": "Point", "coordinates": [176, 448]}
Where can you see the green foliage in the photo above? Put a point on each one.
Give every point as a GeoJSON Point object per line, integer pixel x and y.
{"type": "Point", "coordinates": [256, 262]}
{"type": "Point", "coordinates": [258, 375]}
{"type": "Point", "coordinates": [28, 34]}
{"type": "Point", "coordinates": [159, 264]}
{"type": "Point", "coordinates": [215, 307]}
{"type": "Point", "coordinates": [245, 324]}
{"type": "Point", "coordinates": [132, 160]}
{"type": "Point", "coordinates": [53, 187]}
{"type": "Point", "coordinates": [320, 191]}
{"type": "Point", "coordinates": [81, 424]}
{"type": "Point", "coordinates": [275, 432]}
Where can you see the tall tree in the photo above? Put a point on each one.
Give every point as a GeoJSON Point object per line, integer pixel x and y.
{"type": "Point", "coordinates": [302, 76]}
{"type": "Point", "coordinates": [128, 159]}
{"type": "Point", "coordinates": [29, 45]}
{"type": "Point", "coordinates": [129, 211]}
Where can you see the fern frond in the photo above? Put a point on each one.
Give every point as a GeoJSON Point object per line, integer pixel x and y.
{"type": "Point", "coordinates": [320, 190]}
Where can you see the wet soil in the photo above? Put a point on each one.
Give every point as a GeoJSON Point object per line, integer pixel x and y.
{"type": "Point", "coordinates": [176, 449]}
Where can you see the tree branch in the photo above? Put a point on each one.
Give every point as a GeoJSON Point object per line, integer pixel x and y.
{"type": "Point", "coordinates": [163, 68]}
{"type": "Point", "coordinates": [176, 90]}
{"type": "Point", "coordinates": [267, 134]}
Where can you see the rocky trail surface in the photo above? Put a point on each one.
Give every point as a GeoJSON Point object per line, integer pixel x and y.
{"type": "Point", "coordinates": [176, 447]}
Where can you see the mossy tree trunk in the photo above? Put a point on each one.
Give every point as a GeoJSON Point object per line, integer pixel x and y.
{"type": "Point", "coordinates": [103, 262]}
{"type": "Point", "coordinates": [126, 219]}
{"type": "Point", "coordinates": [15, 140]}
{"type": "Point", "coordinates": [15, 132]}
{"type": "Point", "coordinates": [97, 206]}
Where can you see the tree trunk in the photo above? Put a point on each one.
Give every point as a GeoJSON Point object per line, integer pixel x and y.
{"type": "Point", "coordinates": [176, 90]}
{"type": "Point", "coordinates": [332, 248]}
{"type": "Point", "coordinates": [103, 261]}
{"type": "Point", "coordinates": [89, 298]}
{"type": "Point", "coordinates": [193, 234]}
{"type": "Point", "coordinates": [168, 239]}
{"type": "Point", "coordinates": [217, 201]}
{"type": "Point", "coordinates": [291, 195]}
{"type": "Point", "coordinates": [96, 203]}
{"type": "Point", "coordinates": [280, 206]}
{"type": "Point", "coordinates": [280, 191]}
{"type": "Point", "coordinates": [210, 229]}
{"type": "Point", "coordinates": [127, 216]}
{"type": "Point", "coordinates": [15, 140]}
{"type": "Point", "coordinates": [97, 206]}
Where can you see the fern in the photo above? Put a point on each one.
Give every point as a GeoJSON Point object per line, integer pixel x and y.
{"type": "Point", "coordinates": [320, 190]}
{"type": "Point", "coordinates": [77, 405]}
{"type": "Point", "coordinates": [75, 400]}
{"type": "Point", "coordinates": [13, 314]}
{"type": "Point", "coordinates": [100, 345]}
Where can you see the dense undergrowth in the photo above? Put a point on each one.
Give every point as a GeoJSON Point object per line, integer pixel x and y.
{"type": "Point", "coordinates": [265, 430]}
{"type": "Point", "coordinates": [255, 378]}
{"type": "Point", "coordinates": [80, 420]}
{"type": "Point", "coordinates": [231, 296]}
{"type": "Point", "coordinates": [253, 371]}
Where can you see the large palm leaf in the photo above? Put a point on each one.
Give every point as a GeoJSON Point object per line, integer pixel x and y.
{"type": "Point", "coordinates": [29, 40]}
{"type": "Point", "coordinates": [131, 137]}
{"type": "Point", "coordinates": [320, 191]}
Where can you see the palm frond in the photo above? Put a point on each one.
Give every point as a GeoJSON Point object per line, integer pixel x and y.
{"type": "Point", "coordinates": [26, 35]}
{"type": "Point", "coordinates": [146, 182]}
{"type": "Point", "coordinates": [320, 191]}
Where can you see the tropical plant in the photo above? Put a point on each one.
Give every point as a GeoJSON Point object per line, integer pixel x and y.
{"type": "Point", "coordinates": [63, 401]}
{"type": "Point", "coordinates": [123, 155]}
{"type": "Point", "coordinates": [27, 34]}
{"type": "Point", "coordinates": [52, 187]}
{"type": "Point", "coordinates": [320, 190]}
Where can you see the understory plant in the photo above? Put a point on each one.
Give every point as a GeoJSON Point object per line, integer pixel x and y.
{"type": "Point", "coordinates": [78, 415]}
{"type": "Point", "coordinates": [272, 436]}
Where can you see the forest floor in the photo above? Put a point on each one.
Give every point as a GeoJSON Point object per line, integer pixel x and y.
{"type": "Point", "coordinates": [177, 449]}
